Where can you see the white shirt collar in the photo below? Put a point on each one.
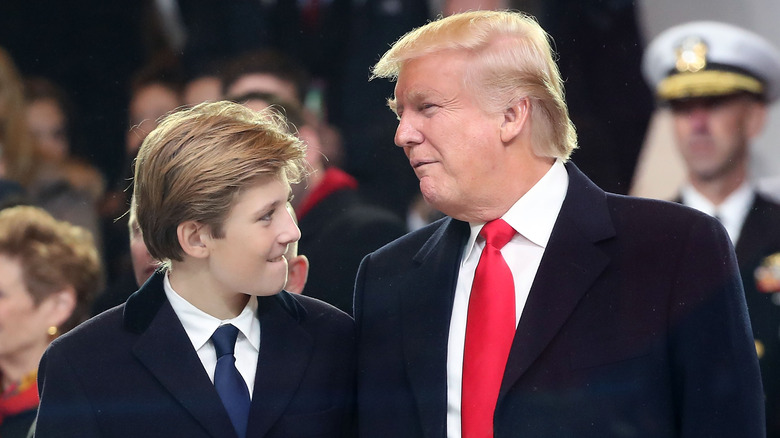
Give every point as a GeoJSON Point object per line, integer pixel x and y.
{"type": "Point", "coordinates": [731, 212]}
{"type": "Point", "coordinates": [533, 216]}
{"type": "Point", "coordinates": [199, 325]}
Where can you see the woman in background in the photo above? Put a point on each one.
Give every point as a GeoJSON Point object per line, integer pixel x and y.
{"type": "Point", "coordinates": [66, 186]}
{"type": "Point", "coordinates": [49, 272]}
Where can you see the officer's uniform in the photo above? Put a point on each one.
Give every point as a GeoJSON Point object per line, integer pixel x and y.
{"type": "Point", "coordinates": [710, 60]}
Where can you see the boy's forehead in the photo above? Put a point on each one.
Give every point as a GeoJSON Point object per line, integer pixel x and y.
{"type": "Point", "coordinates": [269, 184]}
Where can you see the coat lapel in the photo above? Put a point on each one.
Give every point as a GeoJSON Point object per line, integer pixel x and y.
{"type": "Point", "coordinates": [570, 265]}
{"type": "Point", "coordinates": [165, 350]}
{"type": "Point", "coordinates": [285, 352]}
{"type": "Point", "coordinates": [426, 307]}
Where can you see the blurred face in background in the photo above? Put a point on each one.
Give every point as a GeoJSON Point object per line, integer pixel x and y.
{"type": "Point", "coordinates": [47, 124]}
{"type": "Point", "coordinates": [144, 264]}
{"type": "Point", "coordinates": [146, 106]}
{"type": "Point", "coordinates": [713, 133]}
{"type": "Point", "coordinates": [23, 323]}
{"type": "Point", "coordinates": [264, 83]}
{"type": "Point", "coordinates": [202, 89]}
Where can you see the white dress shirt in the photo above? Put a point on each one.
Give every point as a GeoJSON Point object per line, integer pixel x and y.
{"type": "Point", "coordinates": [533, 217]}
{"type": "Point", "coordinates": [731, 212]}
{"type": "Point", "coordinates": [199, 326]}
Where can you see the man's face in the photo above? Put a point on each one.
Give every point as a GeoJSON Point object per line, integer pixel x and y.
{"type": "Point", "coordinates": [264, 83]}
{"type": "Point", "coordinates": [713, 133]}
{"type": "Point", "coordinates": [453, 145]}
{"type": "Point", "coordinates": [47, 125]}
{"type": "Point", "coordinates": [207, 88]}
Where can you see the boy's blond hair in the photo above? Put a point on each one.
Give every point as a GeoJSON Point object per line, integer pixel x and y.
{"type": "Point", "coordinates": [197, 161]}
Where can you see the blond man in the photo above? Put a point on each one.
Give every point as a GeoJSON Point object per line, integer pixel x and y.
{"type": "Point", "coordinates": [211, 345]}
{"type": "Point", "coordinates": [541, 306]}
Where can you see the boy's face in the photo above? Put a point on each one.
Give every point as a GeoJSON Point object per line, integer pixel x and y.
{"type": "Point", "coordinates": [250, 258]}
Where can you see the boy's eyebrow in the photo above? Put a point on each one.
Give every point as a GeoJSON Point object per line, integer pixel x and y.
{"type": "Point", "coordinates": [269, 206]}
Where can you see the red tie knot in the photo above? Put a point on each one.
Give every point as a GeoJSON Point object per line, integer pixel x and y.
{"type": "Point", "coordinates": [497, 233]}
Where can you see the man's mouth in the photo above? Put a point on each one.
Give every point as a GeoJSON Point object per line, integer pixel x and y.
{"type": "Point", "coordinates": [419, 163]}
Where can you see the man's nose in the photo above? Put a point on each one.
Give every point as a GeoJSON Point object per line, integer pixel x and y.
{"type": "Point", "coordinates": [407, 134]}
{"type": "Point", "coordinates": [698, 117]}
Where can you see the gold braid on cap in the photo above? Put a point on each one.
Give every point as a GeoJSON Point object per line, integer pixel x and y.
{"type": "Point", "coordinates": [693, 80]}
{"type": "Point", "coordinates": [707, 83]}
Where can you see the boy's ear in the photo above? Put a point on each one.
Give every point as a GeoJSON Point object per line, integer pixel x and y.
{"type": "Point", "coordinates": [192, 238]}
{"type": "Point", "coordinates": [515, 118]}
{"type": "Point", "coordinates": [297, 274]}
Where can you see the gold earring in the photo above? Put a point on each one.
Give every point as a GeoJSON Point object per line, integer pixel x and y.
{"type": "Point", "coordinates": [52, 330]}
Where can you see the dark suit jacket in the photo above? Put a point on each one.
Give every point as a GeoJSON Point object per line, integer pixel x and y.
{"type": "Point", "coordinates": [132, 372]}
{"type": "Point", "coordinates": [336, 234]}
{"type": "Point", "coordinates": [635, 326]}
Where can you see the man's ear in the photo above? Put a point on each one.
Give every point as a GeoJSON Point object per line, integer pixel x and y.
{"type": "Point", "coordinates": [755, 120]}
{"type": "Point", "coordinates": [297, 274]}
{"type": "Point", "coordinates": [514, 120]}
{"type": "Point", "coordinates": [193, 238]}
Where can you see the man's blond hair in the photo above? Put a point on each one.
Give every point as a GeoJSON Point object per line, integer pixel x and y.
{"type": "Point", "coordinates": [510, 59]}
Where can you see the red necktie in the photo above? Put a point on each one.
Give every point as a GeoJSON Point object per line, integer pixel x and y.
{"type": "Point", "coordinates": [490, 328]}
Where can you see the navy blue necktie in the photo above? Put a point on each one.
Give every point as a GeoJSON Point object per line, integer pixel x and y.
{"type": "Point", "coordinates": [229, 383]}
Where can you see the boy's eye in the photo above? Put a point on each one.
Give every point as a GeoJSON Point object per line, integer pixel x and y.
{"type": "Point", "coordinates": [268, 216]}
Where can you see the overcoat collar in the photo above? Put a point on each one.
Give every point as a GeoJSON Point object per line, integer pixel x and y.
{"type": "Point", "coordinates": [164, 348]}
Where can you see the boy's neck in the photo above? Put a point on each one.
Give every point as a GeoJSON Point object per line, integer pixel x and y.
{"type": "Point", "coordinates": [193, 283]}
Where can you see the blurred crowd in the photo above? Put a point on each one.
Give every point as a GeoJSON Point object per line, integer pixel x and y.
{"type": "Point", "coordinates": [83, 84]}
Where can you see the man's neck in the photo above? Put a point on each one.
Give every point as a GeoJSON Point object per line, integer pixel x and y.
{"type": "Point", "coordinates": [717, 190]}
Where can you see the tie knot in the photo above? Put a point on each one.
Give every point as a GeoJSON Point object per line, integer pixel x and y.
{"type": "Point", "coordinates": [224, 339]}
{"type": "Point", "coordinates": [497, 233]}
